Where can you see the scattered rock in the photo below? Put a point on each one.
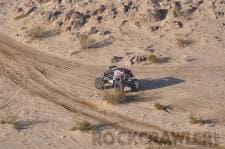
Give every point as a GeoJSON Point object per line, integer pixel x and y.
{"type": "Point", "coordinates": [99, 19]}
{"type": "Point", "coordinates": [53, 15]}
{"type": "Point", "coordinates": [177, 24]}
{"type": "Point", "coordinates": [157, 15]}
{"type": "Point", "coordinates": [100, 10]}
{"type": "Point", "coordinates": [154, 28]}
{"type": "Point", "coordinates": [132, 61]}
{"type": "Point", "coordinates": [137, 59]}
{"type": "Point", "coordinates": [58, 1]}
{"type": "Point", "coordinates": [219, 14]}
{"type": "Point", "coordinates": [104, 32]}
{"type": "Point", "coordinates": [129, 53]}
{"type": "Point", "coordinates": [76, 19]}
{"type": "Point", "coordinates": [138, 24]}
{"type": "Point", "coordinates": [93, 30]}
{"type": "Point", "coordinates": [153, 4]}
{"type": "Point", "coordinates": [140, 58]}
{"type": "Point", "coordinates": [126, 8]}
{"type": "Point", "coordinates": [19, 9]}
{"type": "Point", "coordinates": [149, 49]}
{"type": "Point", "coordinates": [124, 22]}
{"type": "Point", "coordinates": [116, 59]}
{"type": "Point", "coordinates": [62, 137]}
{"type": "Point", "coordinates": [176, 5]}
{"type": "Point", "coordinates": [107, 32]}
{"type": "Point", "coordinates": [31, 9]}
{"type": "Point", "coordinates": [60, 23]}
{"type": "Point", "coordinates": [114, 11]}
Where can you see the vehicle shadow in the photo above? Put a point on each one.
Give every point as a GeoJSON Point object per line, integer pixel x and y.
{"type": "Point", "coordinates": [148, 84]}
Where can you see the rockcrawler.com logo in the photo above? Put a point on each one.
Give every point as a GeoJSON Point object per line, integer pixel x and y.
{"type": "Point", "coordinates": [155, 138]}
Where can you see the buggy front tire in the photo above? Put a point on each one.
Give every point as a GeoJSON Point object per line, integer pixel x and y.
{"type": "Point", "coordinates": [99, 83]}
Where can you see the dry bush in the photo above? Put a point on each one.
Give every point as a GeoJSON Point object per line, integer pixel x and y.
{"type": "Point", "coordinates": [114, 97]}
{"type": "Point", "coordinates": [196, 120]}
{"type": "Point", "coordinates": [152, 58]}
{"type": "Point", "coordinates": [178, 13]}
{"type": "Point", "coordinates": [201, 121]}
{"type": "Point", "coordinates": [13, 120]}
{"type": "Point", "coordinates": [83, 126]}
{"type": "Point", "coordinates": [86, 42]}
{"type": "Point", "coordinates": [182, 43]}
{"type": "Point", "coordinates": [21, 16]}
{"type": "Point", "coordinates": [36, 32]}
{"type": "Point", "coordinates": [159, 106]}
{"type": "Point", "coordinates": [166, 108]}
{"type": "Point", "coordinates": [40, 32]}
{"type": "Point", "coordinates": [9, 119]}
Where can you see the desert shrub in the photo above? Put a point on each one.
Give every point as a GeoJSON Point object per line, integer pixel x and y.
{"type": "Point", "coordinates": [153, 58]}
{"type": "Point", "coordinates": [12, 120]}
{"type": "Point", "coordinates": [159, 106]}
{"type": "Point", "coordinates": [9, 119]}
{"type": "Point", "coordinates": [182, 43]}
{"type": "Point", "coordinates": [166, 108]}
{"type": "Point", "coordinates": [40, 32]}
{"type": "Point", "coordinates": [36, 32]}
{"type": "Point", "coordinates": [83, 126]}
{"type": "Point", "coordinates": [114, 97]}
{"type": "Point", "coordinates": [178, 12]}
{"type": "Point", "coordinates": [86, 42]}
{"type": "Point", "coordinates": [21, 16]}
{"type": "Point", "coordinates": [196, 120]}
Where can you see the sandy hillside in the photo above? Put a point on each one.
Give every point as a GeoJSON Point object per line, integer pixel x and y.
{"type": "Point", "coordinates": [51, 51]}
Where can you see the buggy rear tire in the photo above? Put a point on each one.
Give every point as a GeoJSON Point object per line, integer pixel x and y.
{"type": "Point", "coordinates": [118, 86]}
{"type": "Point", "coordinates": [99, 83]}
{"type": "Point", "coordinates": [135, 85]}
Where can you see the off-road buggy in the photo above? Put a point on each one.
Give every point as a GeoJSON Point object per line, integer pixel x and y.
{"type": "Point", "coordinates": [118, 78]}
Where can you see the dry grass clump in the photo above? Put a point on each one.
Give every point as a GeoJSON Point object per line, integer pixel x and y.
{"type": "Point", "coordinates": [202, 121]}
{"type": "Point", "coordinates": [182, 43]}
{"type": "Point", "coordinates": [83, 126]}
{"type": "Point", "coordinates": [161, 107]}
{"type": "Point", "coordinates": [196, 120]}
{"type": "Point", "coordinates": [86, 42]}
{"type": "Point", "coordinates": [21, 16]}
{"type": "Point", "coordinates": [152, 58]}
{"type": "Point", "coordinates": [178, 13]}
{"type": "Point", "coordinates": [9, 119]}
{"type": "Point", "coordinates": [36, 32]}
{"type": "Point", "coordinates": [13, 120]}
{"type": "Point", "coordinates": [40, 32]}
{"type": "Point", "coordinates": [114, 97]}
